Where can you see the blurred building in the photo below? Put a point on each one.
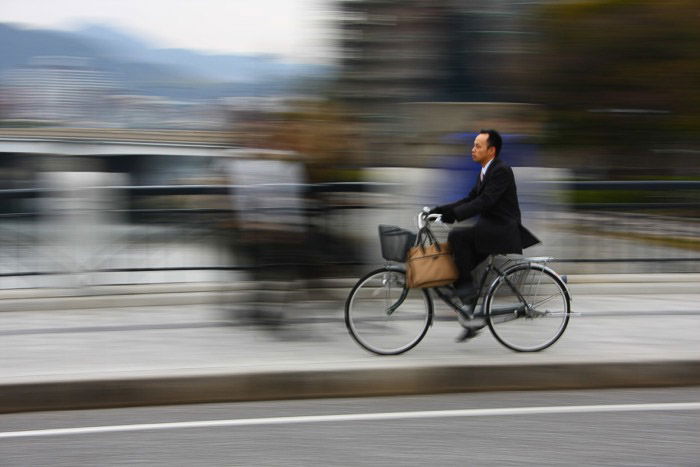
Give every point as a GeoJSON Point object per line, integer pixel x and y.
{"type": "Point", "coordinates": [392, 50]}
{"type": "Point", "coordinates": [57, 90]}
{"type": "Point", "coordinates": [70, 91]}
{"type": "Point", "coordinates": [398, 52]}
{"type": "Point", "coordinates": [144, 111]}
{"type": "Point", "coordinates": [427, 50]}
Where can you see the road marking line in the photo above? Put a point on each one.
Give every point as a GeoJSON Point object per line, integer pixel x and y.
{"type": "Point", "coordinates": [356, 417]}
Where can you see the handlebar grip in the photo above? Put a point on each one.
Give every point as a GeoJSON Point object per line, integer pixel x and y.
{"type": "Point", "coordinates": [424, 217]}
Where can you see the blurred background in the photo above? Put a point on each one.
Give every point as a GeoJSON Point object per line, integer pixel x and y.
{"type": "Point", "coordinates": [232, 142]}
{"type": "Point", "coordinates": [189, 189]}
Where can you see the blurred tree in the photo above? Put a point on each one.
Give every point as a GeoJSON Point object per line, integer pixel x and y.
{"type": "Point", "coordinates": [621, 76]}
{"type": "Point", "coordinates": [320, 130]}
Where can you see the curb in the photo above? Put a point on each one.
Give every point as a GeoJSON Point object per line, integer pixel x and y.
{"type": "Point", "coordinates": [368, 382]}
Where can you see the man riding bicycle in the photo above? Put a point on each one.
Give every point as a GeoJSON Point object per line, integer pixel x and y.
{"type": "Point", "coordinates": [498, 229]}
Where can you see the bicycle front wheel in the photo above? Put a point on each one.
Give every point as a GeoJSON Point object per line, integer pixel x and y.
{"type": "Point", "coordinates": [528, 308]}
{"type": "Point", "coordinates": [383, 316]}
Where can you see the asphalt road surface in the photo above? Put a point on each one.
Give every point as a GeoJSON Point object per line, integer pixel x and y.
{"type": "Point", "coordinates": [613, 427]}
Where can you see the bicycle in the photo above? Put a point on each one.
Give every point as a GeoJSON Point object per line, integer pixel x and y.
{"type": "Point", "coordinates": [526, 305]}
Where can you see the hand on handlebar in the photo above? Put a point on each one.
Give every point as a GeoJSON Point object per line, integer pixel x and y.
{"type": "Point", "coordinates": [448, 216]}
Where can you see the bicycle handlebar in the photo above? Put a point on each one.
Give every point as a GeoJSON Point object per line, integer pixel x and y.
{"type": "Point", "coordinates": [424, 217]}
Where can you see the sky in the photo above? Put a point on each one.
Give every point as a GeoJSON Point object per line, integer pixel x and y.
{"type": "Point", "coordinates": [295, 29]}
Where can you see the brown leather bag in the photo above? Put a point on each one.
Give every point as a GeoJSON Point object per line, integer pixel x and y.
{"type": "Point", "coordinates": [429, 263]}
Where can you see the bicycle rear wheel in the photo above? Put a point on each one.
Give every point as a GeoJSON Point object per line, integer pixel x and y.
{"type": "Point", "coordinates": [383, 316]}
{"type": "Point", "coordinates": [528, 308]}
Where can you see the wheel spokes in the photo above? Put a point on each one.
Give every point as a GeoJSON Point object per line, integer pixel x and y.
{"type": "Point", "coordinates": [531, 293]}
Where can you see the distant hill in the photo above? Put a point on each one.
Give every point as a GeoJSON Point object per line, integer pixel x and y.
{"type": "Point", "coordinates": [18, 46]}
{"type": "Point", "coordinates": [229, 68]}
{"type": "Point", "coordinates": [113, 41]}
{"type": "Point", "coordinates": [175, 73]}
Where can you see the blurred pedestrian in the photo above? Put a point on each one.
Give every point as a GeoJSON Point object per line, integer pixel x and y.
{"type": "Point", "coordinates": [270, 203]}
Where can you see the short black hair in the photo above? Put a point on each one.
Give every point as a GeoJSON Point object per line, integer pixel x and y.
{"type": "Point", "coordinates": [494, 139]}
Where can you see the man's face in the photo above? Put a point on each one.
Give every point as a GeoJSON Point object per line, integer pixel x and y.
{"type": "Point", "coordinates": [481, 152]}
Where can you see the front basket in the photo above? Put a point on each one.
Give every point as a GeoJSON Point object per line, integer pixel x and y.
{"type": "Point", "coordinates": [395, 242]}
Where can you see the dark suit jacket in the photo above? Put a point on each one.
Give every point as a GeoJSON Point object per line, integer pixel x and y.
{"type": "Point", "coordinates": [495, 200]}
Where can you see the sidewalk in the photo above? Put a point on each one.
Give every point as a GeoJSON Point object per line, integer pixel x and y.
{"type": "Point", "coordinates": [194, 293]}
{"type": "Point", "coordinates": [183, 353]}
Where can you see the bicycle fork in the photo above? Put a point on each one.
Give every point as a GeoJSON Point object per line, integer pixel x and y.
{"type": "Point", "coordinates": [387, 281]}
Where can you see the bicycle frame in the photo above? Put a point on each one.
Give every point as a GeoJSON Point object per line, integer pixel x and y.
{"type": "Point", "coordinates": [450, 301]}
{"type": "Point", "coordinates": [470, 312]}
{"type": "Point", "coordinates": [482, 282]}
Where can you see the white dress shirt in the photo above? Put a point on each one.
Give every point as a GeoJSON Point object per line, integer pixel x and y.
{"type": "Point", "coordinates": [484, 169]}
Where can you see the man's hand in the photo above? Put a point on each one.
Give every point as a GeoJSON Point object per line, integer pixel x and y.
{"type": "Point", "coordinates": [448, 216]}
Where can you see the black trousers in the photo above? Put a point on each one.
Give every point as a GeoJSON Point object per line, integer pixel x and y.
{"type": "Point", "coordinates": [467, 256]}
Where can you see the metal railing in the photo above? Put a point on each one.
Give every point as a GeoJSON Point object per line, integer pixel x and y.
{"type": "Point", "coordinates": [655, 229]}
{"type": "Point", "coordinates": [170, 238]}
{"type": "Point", "coordinates": [673, 187]}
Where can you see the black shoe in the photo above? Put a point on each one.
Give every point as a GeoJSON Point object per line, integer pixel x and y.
{"type": "Point", "coordinates": [467, 333]}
